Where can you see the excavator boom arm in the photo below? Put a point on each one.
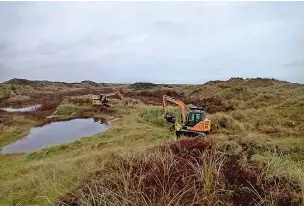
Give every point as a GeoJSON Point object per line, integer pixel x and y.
{"type": "Point", "coordinates": [103, 97]}
{"type": "Point", "coordinates": [178, 102]}
{"type": "Point", "coordinates": [114, 94]}
{"type": "Point", "coordinates": [120, 95]}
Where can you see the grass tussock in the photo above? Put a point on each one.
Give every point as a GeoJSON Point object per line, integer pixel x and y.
{"type": "Point", "coordinates": [269, 121]}
{"type": "Point", "coordinates": [256, 159]}
{"type": "Point", "coordinates": [186, 172]}
{"type": "Point", "coordinates": [224, 123]}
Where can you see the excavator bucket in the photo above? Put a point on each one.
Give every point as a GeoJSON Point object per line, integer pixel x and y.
{"type": "Point", "coordinates": [169, 118]}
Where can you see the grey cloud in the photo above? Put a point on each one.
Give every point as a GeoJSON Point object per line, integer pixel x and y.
{"type": "Point", "coordinates": [151, 41]}
{"type": "Point", "coordinates": [174, 28]}
{"type": "Point", "coordinates": [294, 64]}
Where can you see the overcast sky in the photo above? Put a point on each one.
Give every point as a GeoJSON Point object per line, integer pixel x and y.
{"type": "Point", "coordinates": [161, 42]}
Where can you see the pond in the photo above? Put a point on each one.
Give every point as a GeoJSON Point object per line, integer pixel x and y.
{"type": "Point", "coordinates": [56, 133]}
{"type": "Point", "coordinates": [23, 109]}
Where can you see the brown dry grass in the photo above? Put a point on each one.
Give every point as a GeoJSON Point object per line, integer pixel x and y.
{"type": "Point", "coordinates": [154, 97]}
{"type": "Point", "coordinates": [268, 172]}
{"type": "Point", "coordinates": [186, 172]}
{"type": "Point", "coordinates": [151, 96]}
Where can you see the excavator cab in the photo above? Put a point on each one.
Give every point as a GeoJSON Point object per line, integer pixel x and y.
{"type": "Point", "coordinates": [96, 99]}
{"type": "Point", "coordinates": [197, 122]}
{"type": "Point", "coordinates": [194, 121]}
{"type": "Point", "coordinates": [195, 116]}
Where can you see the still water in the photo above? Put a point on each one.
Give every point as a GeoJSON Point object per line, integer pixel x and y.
{"type": "Point", "coordinates": [56, 133]}
{"type": "Point", "coordinates": [23, 109]}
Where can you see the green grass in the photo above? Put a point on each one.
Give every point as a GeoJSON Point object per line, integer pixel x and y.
{"type": "Point", "coordinates": [4, 91]}
{"type": "Point", "coordinates": [66, 109]}
{"type": "Point", "coordinates": [16, 128]}
{"type": "Point", "coordinates": [173, 173]}
{"type": "Point", "coordinates": [153, 115]}
{"type": "Point", "coordinates": [266, 117]}
{"type": "Point", "coordinates": [225, 123]}
{"type": "Point", "coordinates": [60, 168]}
{"type": "Point", "coordinates": [268, 120]}
{"type": "Point", "coordinates": [279, 165]}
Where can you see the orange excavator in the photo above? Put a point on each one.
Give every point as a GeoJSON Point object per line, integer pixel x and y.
{"type": "Point", "coordinates": [102, 100]}
{"type": "Point", "coordinates": [194, 121]}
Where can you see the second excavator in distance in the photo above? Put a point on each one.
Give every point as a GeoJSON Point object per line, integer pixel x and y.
{"type": "Point", "coordinates": [194, 121]}
{"type": "Point", "coordinates": [102, 100]}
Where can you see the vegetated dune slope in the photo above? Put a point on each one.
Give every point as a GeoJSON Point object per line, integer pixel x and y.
{"type": "Point", "coordinates": [251, 105]}
{"type": "Point", "coordinates": [254, 156]}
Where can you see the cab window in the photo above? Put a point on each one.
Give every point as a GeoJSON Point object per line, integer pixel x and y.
{"type": "Point", "coordinates": [194, 118]}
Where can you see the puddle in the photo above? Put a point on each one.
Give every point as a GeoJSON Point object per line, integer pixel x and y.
{"type": "Point", "coordinates": [56, 133]}
{"type": "Point", "coordinates": [23, 109]}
